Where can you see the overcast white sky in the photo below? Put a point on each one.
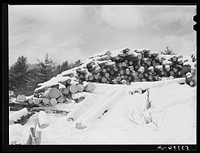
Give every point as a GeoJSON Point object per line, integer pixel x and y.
{"type": "Point", "coordinates": [72, 32]}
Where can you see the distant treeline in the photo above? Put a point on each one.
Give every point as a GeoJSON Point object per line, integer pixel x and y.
{"type": "Point", "coordinates": [24, 77]}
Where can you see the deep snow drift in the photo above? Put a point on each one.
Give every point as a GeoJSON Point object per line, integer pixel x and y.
{"type": "Point", "coordinates": [111, 115]}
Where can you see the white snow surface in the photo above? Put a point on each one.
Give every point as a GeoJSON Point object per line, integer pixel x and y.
{"type": "Point", "coordinates": [172, 117]}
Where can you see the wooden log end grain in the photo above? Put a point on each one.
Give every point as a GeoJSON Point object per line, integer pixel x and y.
{"type": "Point", "coordinates": [103, 80]}
{"type": "Point", "coordinates": [80, 87]}
{"type": "Point", "coordinates": [118, 78]}
{"type": "Point", "coordinates": [36, 101]}
{"type": "Point", "coordinates": [61, 99]}
{"type": "Point", "coordinates": [73, 88]}
{"type": "Point", "coordinates": [107, 75]}
{"type": "Point", "coordinates": [112, 72]}
{"type": "Point", "coordinates": [124, 64]}
{"type": "Point", "coordinates": [143, 80]}
{"type": "Point", "coordinates": [21, 98]}
{"type": "Point", "coordinates": [53, 101]}
{"type": "Point", "coordinates": [54, 93]}
{"type": "Point", "coordinates": [90, 87]}
{"type": "Point", "coordinates": [45, 101]}
{"type": "Point", "coordinates": [65, 91]}
{"type": "Point", "coordinates": [90, 77]}
{"type": "Point", "coordinates": [30, 101]}
{"type": "Point", "coordinates": [171, 73]}
{"type": "Point", "coordinates": [150, 78]}
{"type": "Point", "coordinates": [130, 62]}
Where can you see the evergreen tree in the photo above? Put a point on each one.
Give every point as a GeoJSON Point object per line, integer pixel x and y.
{"type": "Point", "coordinates": [18, 76]}
{"type": "Point", "coordinates": [77, 63]}
{"type": "Point", "coordinates": [60, 68]}
{"type": "Point", "coordinates": [43, 72]}
{"type": "Point", "coordinates": [64, 66]}
{"type": "Point", "coordinates": [45, 69]}
{"type": "Point", "coordinates": [168, 51]}
{"type": "Point", "coordinates": [33, 81]}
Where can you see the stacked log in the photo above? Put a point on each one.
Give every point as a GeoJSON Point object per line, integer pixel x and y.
{"type": "Point", "coordinates": [21, 98]}
{"type": "Point", "coordinates": [122, 67]}
{"type": "Point", "coordinates": [53, 95]}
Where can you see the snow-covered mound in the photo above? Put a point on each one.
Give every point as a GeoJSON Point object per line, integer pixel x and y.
{"type": "Point", "coordinates": [112, 115]}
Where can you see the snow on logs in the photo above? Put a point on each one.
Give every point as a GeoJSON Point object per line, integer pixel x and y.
{"type": "Point", "coordinates": [52, 94]}
{"type": "Point", "coordinates": [122, 66]}
{"type": "Point", "coordinates": [126, 65]}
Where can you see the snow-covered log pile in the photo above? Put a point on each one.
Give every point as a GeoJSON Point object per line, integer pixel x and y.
{"type": "Point", "coordinates": [126, 65]}
{"type": "Point", "coordinates": [64, 91]}
{"type": "Point", "coordinates": [122, 66]}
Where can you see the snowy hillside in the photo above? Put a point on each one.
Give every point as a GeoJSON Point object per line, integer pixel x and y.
{"type": "Point", "coordinates": [171, 119]}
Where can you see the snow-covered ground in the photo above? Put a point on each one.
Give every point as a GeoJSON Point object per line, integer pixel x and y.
{"type": "Point", "coordinates": [111, 115]}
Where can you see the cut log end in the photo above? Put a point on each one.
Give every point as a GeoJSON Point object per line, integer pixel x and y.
{"type": "Point", "coordinates": [90, 87]}
{"type": "Point", "coordinates": [73, 88]}
{"type": "Point", "coordinates": [45, 101]}
{"type": "Point", "coordinates": [53, 101]}
{"type": "Point", "coordinates": [54, 93]}
{"type": "Point", "coordinates": [61, 99]}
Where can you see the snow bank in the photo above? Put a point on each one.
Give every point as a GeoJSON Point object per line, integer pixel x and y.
{"type": "Point", "coordinates": [18, 114]}
{"type": "Point", "coordinates": [170, 120]}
